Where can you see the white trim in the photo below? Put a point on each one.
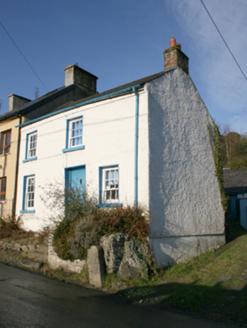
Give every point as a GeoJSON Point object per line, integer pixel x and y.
{"type": "Point", "coordinates": [30, 192]}
{"type": "Point", "coordinates": [75, 132]}
{"type": "Point", "coordinates": [32, 151]}
{"type": "Point", "coordinates": [110, 185]}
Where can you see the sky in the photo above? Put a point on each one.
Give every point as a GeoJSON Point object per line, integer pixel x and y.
{"type": "Point", "coordinates": [121, 41]}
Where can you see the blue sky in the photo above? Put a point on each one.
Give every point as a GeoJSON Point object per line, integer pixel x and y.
{"type": "Point", "coordinates": [120, 41]}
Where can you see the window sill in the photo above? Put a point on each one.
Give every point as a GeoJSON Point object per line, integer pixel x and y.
{"type": "Point", "coordinates": [2, 202]}
{"type": "Point", "coordinates": [109, 205]}
{"type": "Point", "coordinates": [27, 211]}
{"type": "Point", "coordinates": [5, 154]}
{"type": "Point", "coordinates": [29, 159]}
{"type": "Point", "coordinates": [65, 150]}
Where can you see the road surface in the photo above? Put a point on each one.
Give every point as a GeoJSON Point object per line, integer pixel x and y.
{"type": "Point", "coordinates": [28, 299]}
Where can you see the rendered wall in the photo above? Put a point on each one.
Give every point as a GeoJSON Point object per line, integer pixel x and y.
{"type": "Point", "coordinates": [109, 138]}
{"type": "Point", "coordinates": [8, 163]}
{"type": "Point", "coordinates": [185, 201]}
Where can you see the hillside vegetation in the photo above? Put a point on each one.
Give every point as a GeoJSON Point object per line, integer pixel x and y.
{"type": "Point", "coordinates": [234, 150]}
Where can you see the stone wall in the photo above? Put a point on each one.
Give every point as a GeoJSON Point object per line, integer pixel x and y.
{"type": "Point", "coordinates": [118, 253]}
{"type": "Point", "coordinates": [29, 253]}
{"type": "Point", "coordinates": [33, 255]}
{"type": "Point", "coordinates": [56, 262]}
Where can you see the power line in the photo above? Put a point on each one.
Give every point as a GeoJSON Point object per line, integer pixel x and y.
{"type": "Point", "coordinates": [223, 39]}
{"type": "Point", "coordinates": [23, 56]}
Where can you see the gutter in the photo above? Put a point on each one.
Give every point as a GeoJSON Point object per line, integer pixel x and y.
{"type": "Point", "coordinates": [16, 167]}
{"type": "Point", "coordinates": [135, 90]}
{"type": "Point", "coordinates": [91, 101]}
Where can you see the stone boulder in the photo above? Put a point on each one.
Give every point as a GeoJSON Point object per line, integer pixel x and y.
{"type": "Point", "coordinates": [96, 265]}
{"type": "Point", "coordinates": [134, 262]}
{"type": "Point", "coordinates": [113, 246]}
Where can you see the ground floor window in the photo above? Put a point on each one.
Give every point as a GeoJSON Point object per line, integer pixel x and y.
{"type": "Point", "coordinates": [109, 185]}
{"type": "Point", "coordinates": [2, 189]}
{"type": "Point", "coordinates": [29, 193]}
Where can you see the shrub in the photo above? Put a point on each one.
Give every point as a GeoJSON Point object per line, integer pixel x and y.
{"type": "Point", "coordinates": [63, 231]}
{"type": "Point", "coordinates": [10, 227]}
{"type": "Point", "coordinates": [77, 233]}
{"type": "Point", "coordinates": [83, 223]}
{"type": "Point", "coordinates": [74, 233]}
{"type": "Point", "coordinates": [123, 219]}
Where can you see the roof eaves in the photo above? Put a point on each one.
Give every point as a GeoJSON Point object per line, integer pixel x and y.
{"type": "Point", "coordinates": [111, 93]}
{"type": "Point", "coordinates": [37, 102]}
{"type": "Point", "coordinates": [99, 97]}
{"type": "Point", "coordinates": [44, 99]}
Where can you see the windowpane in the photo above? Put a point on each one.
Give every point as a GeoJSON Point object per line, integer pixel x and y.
{"type": "Point", "coordinates": [3, 189]}
{"type": "Point", "coordinates": [110, 185]}
{"type": "Point", "coordinates": [76, 133]}
{"type": "Point", "coordinates": [32, 145]}
{"type": "Point", "coordinates": [30, 189]}
{"type": "Point", "coordinates": [6, 142]}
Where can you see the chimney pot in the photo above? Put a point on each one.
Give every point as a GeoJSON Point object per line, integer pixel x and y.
{"type": "Point", "coordinates": [172, 42]}
{"type": "Point", "coordinates": [174, 57]}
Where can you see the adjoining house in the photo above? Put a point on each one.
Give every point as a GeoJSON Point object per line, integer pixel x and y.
{"type": "Point", "coordinates": [235, 185]}
{"type": "Point", "coordinates": [78, 84]}
{"type": "Point", "coordinates": [147, 142]}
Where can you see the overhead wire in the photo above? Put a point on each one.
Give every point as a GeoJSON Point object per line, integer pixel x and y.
{"type": "Point", "coordinates": [223, 39]}
{"type": "Point", "coordinates": [23, 56]}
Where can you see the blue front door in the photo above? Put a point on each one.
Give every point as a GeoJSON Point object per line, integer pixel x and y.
{"type": "Point", "coordinates": [75, 178]}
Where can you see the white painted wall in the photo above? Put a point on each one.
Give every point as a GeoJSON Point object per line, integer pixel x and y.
{"type": "Point", "coordinates": [176, 174]}
{"type": "Point", "coordinates": [109, 138]}
{"type": "Point", "coordinates": [184, 192]}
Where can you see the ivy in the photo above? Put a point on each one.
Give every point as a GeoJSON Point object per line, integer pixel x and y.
{"type": "Point", "coordinates": [214, 136]}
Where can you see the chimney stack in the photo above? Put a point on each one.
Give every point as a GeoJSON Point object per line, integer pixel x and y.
{"type": "Point", "coordinates": [77, 75]}
{"type": "Point", "coordinates": [16, 101]}
{"type": "Point", "coordinates": [174, 57]}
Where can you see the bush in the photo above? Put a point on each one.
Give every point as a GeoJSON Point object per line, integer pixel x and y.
{"type": "Point", "coordinates": [83, 223]}
{"type": "Point", "coordinates": [60, 239]}
{"type": "Point", "coordinates": [10, 227]}
{"type": "Point", "coordinates": [123, 219]}
{"type": "Point", "coordinates": [75, 234]}
{"type": "Point", "coordinates": [72, 234]}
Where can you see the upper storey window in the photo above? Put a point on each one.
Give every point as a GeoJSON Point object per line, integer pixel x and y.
{"type": "Point", "coordinates": [5, 142]}
{"type": "Point", "coordinates": [74, 134]}
{"type": "Point", "coordinates": [31, 146]}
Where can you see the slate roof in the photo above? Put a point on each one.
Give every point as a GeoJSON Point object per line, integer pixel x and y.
{"type": "Point", "coordinates": [57, 92]}
{"type": "Point", "coordinates": [141, 81]}
{"type": "Point", "coordinates": [235, 181]}
{"type": "Point", "coordinates": [29, 106]}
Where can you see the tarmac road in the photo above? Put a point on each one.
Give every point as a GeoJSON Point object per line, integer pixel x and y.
{"type": "Point", "coordinates": [28, 299]}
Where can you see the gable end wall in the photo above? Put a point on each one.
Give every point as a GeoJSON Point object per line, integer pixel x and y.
{"type": "Point", "coordinates": [185, 201]}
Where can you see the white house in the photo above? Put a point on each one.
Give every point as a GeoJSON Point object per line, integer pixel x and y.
{"type": "Point", "coordinates": [147, 143]}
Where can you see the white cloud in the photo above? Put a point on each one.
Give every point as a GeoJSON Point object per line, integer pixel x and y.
{"type": "Point", "coordinates": [218, 76]}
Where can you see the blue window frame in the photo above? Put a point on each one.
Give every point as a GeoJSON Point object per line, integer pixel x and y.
{"type": "Point", "coordinates": [74, 129]}
{"type": "Point", "coordinates": [109, 186]}
{"type": "Point", "coordinates": [28, 194]}
{"type": "Point", "coordinates": [31, 146]}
